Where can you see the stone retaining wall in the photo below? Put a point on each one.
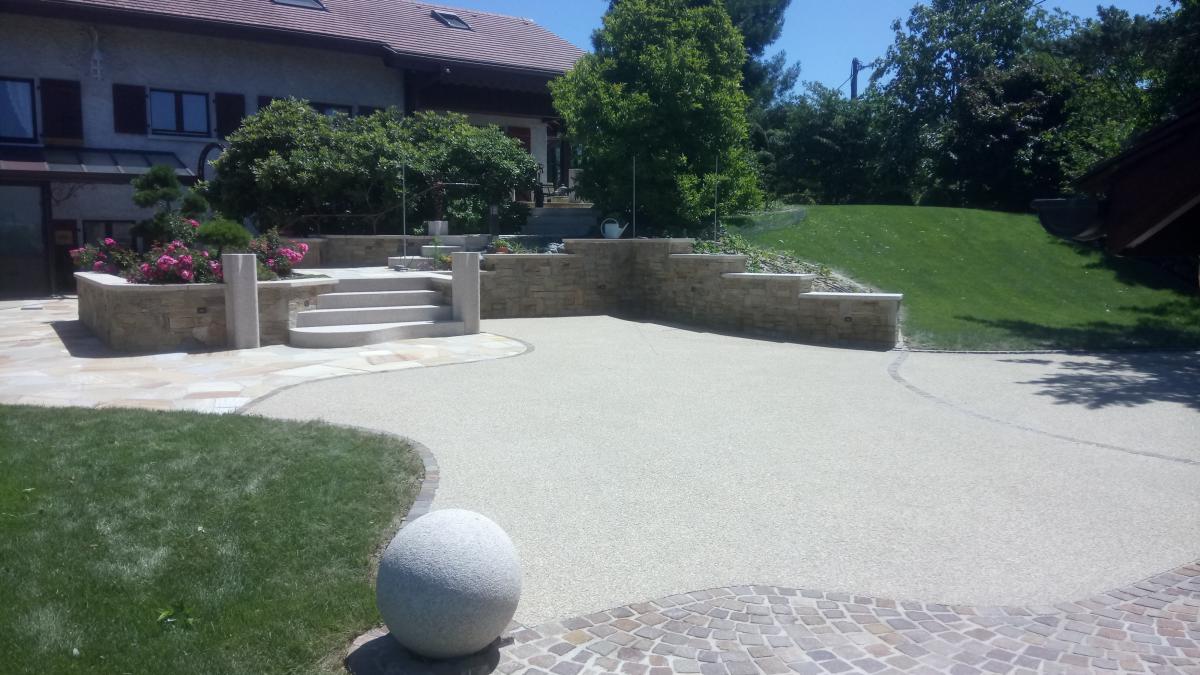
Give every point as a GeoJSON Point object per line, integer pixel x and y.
{"type": "Point", "coordinates": [169, 317]}
{"type": "Point", "coordinates": [374, 250]}
{"type": "Point", "coordinates": [662, 279]}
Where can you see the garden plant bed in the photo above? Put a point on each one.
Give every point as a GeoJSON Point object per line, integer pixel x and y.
{"type": "Point", "coordinates": [198, 543]}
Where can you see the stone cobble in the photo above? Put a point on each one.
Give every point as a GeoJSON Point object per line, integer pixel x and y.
{"type": "Point", "coordinates": [1149, 627]}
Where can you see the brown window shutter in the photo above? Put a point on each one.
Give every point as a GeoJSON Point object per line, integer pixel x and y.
{"type": "Point", "coordinates": [129, 109]}
{"type": "Point", "coordinates": [62, 112]}
{"type": "Point", "coordinates": [231, 108]}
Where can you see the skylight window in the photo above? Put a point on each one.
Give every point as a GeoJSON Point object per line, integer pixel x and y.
{"type": "Point", "coordinates": [306, 4]}
{"type": "Point", "coordinates": [451, 20]}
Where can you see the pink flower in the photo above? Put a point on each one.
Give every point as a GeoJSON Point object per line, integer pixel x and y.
{"type": "Point", "coordinates": [193, 223]}
{"type": "Point", "coordinates": [145, 268]}
{"type": "Point", "coordinates": [109, 241]}
{"type": "Point", "coordinates": [303, 247]}
{"type": "Point", "coordinates": [271, 263]}
{"type": "Point", "coordinates": [204, 253]}
{"type": "Point", "coordinates": [186, 275]}
{"type": "Point", "coordinates": [97, 266]}
{"type": "Point", "coordinates": [185, 261]}
{"type": "Point", "coordinates": [166, 262]}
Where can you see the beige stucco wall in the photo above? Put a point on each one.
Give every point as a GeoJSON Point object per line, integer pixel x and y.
{"type": "Point", "coordinates": [170, 317]}
{"type": "Point", "coordinates": [663, 280]}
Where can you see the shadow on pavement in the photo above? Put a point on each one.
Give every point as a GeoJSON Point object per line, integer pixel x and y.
{"type": "Point", "coordinates": [384, 656]}
{"type": "Point", "coordinates": [1123, 380]}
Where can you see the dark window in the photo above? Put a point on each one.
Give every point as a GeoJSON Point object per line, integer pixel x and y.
{"type": "Point", "coordinates": [129, 109]}
{"type": "Point", "coordinates": [62, 111]}
{"type": "Point", "coordinates": [178, 112]}
{"type": "Point", "coordinates": [231, 108]}
{"type": "Point", "coordinates": [365, 110]}
{"type": "Point", "coordinates": [307, 4]}
{"type": "Point", "coordinates": [450, 19]}
{"type": "Point", "coordinates": [16, 111]}
{"type": "Point", "coordinates": [264, 101]}
{"type": "Point", "coordinates": [331, 108]}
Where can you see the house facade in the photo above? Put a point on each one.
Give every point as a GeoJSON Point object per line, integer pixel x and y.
{"type": "Point", "coordinates": [93, 92]}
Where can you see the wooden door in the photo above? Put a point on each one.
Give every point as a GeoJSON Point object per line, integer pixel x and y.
{"type": "Point", "coordinates": [525, 136]}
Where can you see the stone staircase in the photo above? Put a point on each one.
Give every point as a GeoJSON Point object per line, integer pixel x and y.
{"type": "Point", "coordinates": [368, 310]}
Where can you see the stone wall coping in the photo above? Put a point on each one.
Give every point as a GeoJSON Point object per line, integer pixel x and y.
{"type": "Point", "coordinates": [767, 275]}
{"type": "Point", "coordinates": [827, 295]}
{"type": "Point", "coordinates": [117, 284]}
{"type": "Point", "coordinates": [708, 256]}
{"type": "Point", "coordinates": [527, 256]}
{"type": "Point", "coordinates": [628, 241]}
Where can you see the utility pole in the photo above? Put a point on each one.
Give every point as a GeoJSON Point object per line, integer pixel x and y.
{"type": "Point", "coordinates": [855, 66]}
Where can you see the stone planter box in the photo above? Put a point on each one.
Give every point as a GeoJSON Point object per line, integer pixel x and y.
{"type": "Point", "coordinates": [176, 317]}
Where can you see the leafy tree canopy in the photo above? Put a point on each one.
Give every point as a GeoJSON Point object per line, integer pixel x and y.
{"type": "Point", "coordinates": [289, 161]}
{"type": "Point", "coordinates": [664, 86]}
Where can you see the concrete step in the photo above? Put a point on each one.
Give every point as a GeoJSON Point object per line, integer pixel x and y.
{"type": "Point", "coordinates": [377, 299]}
{"type": "Point", "coordinates": [372, 315]}
{"type": "Point", "coordinates": [388, 283]}
{"type": "Point", "coordinates": [412, 262]}
{"type": "Point", "coordinates": [325, 337]}
{"type": "Point", "coordinates": [440, 249]}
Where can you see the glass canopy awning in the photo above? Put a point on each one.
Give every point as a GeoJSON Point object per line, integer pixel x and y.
{"type": "Point", "coordinates": [91, 165]}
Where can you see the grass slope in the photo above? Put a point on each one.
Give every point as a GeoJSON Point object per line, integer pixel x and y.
{"type": "Point", "coordinates": [988, 280]}
{"type": "Point", "coordinates": [254, 536]}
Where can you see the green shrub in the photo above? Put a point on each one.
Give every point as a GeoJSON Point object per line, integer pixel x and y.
{"type": "Point", "coordinates": [226, 235]}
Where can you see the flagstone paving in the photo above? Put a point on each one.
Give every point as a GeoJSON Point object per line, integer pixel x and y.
{"type": "Point", "coordinates": [47, 357]}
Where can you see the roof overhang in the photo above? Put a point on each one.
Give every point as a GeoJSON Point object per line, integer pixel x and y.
{"type": "Point", "coordinates": [59, 9]}
{"type": "Point", "coordinates": [1144, 201]}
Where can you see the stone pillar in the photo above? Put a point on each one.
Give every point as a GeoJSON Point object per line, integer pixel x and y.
{"type": "Point", "coordinates": [466, 290]}
{"type": "Point", "coordinates": [437, 228]}
{"type": "Point", "coordinates": [241, 300]}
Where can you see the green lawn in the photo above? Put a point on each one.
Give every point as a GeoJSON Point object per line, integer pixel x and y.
{"type": "Point", "coordinates": [140, 542]}
{"type": "Point", "coordinates": [988, 280]}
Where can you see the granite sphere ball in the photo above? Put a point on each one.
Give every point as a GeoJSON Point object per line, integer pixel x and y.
{"type": "Point", "coordinates": [448, 584]}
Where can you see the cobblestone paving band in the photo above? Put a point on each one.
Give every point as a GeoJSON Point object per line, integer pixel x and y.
{"type": "Point", "coordinates": [1149, 627]}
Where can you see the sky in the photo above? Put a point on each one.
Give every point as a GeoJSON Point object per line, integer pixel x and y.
{"type": "Point", "coordinates": [823, 35]}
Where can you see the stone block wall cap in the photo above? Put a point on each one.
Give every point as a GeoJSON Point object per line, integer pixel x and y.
{"type": "Point", "coordinates": [827, 295]}
{"type": "Point", "coordinates": [767, 275]}
{"type": "Point", "coordinates": [710, 256]}
{"type": "Point", "coordinates": [117, 284]}
{"type": "Point", "coordinates": [639, 240]}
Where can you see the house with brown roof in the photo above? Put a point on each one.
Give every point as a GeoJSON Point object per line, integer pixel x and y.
{"type": "Point", "coordinates": [94, 92]}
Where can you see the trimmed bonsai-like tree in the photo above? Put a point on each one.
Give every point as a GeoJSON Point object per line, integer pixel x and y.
{"type": "Point", "coordinates": [662, 86]}
{"type": "Point", "coordinates": [160, 189]}
{"type": "Point", "coordinates": [224, 234]}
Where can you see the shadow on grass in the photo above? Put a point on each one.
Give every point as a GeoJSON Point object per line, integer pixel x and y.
{"type": "Point", "coordinates": [1160, 274]}
{"type": "Point", "coordinates": [1169, 325]}
{"type": "Point", "coordinates": [1123, 380]}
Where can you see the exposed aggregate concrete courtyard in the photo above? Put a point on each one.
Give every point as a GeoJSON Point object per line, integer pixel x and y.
{"type": "Point", "coordinates": [631, 461]}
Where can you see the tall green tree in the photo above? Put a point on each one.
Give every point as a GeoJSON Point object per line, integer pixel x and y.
{"type": "Point", "coordinates": [663, 85]}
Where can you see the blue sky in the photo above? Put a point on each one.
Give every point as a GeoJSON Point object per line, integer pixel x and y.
{"type": "Point", "coordinates": [822, 34]}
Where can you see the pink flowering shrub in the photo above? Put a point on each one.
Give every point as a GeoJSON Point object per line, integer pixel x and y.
{"type": "Point", "coordinates": [109, 257]}
{"type": "Point", "coordinates": [176, 263]}
{"type": "Point", "coordinates": [184, 262]}
{"type": "Point", "coordinates": [276, 255]}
